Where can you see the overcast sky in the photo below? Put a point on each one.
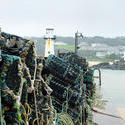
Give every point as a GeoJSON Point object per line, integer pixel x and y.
{"type": "Point", "coordinates": [91, 17]}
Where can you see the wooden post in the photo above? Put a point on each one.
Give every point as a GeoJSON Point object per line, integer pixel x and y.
{"type": "Point", "coordinates": [99, 77]}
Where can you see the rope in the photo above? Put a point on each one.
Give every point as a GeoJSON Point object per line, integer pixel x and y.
{"type": "Point", "coordinates": [26, 114]}
{"type": "Point", "coordinates": [65, 119]}
{"type": "Point", "coordinates": [65, 107]}
{"type": "Point", "coordinates": [35, 101]}
{"type": "Point", "coordinates": [114, 116]}
{"type": "Point", "coordinates": [34, 77]}
{"type": "Point", "coordinates": [29, 109]}
{"type": "Point", "coordinates": [52, 117]}
{"type": "Point", "coordinates": [36, 119]}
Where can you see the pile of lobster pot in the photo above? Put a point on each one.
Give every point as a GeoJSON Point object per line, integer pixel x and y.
{"type": "Point", "coordinates": [39, 91]}
{"type": "Point", "coordinates": [71, 81]}
{"type": "Point", "coordinates": [24, 96]}
{"type": "Point", "coordinates": [88, 73]}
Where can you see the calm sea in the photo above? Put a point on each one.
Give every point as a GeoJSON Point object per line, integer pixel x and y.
{"type": "Point", "coordinates": [113, 87]}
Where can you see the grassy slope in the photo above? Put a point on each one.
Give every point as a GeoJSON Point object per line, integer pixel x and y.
{"type": "Point", "coordinates": [66, 47]}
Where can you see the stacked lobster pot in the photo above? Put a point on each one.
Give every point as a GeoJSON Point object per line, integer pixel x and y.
{"type": "Point", "coordinates": [72, 84]}
{"type": "Point", "coordinates": [75, 59]}
{"type": "Point", "coordinates": [23, 48]}
{"type": "Point", "coordinates": [32, 87]}
{"type": "Point", "coordinates": [66, 82]}
{"type": "Point", "coordinates": [24, 95]}
{"type": "Point", "coordinates": [88, 73]}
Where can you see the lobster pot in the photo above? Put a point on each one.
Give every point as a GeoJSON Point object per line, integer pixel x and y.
{"type": "Point", "coordinates": [75, 59]}
{"type": "Point", "coordinates": [88, 77]}
{"type": "Point", "coordinates": [11, 86]}
{"type": "Point", "coordinates": [57, 105]}
{"type": "Point", "coordinates": [56, 80]}
{"type": "Point", "coordinates": [63, 70]}
{"type": "Point", "coordinates": [11, 70]}
{"type": "Point", "coordinates": [20, 47]}
{"type": "Point", "coordinates": [30, 58]}
{"type": "Point", "coordinates": [13, 46]}
{"type": "Point", "coordinates": [61, 97]}
{"type": "Point", "coordinates": [59, 91]}
{"type": "Point", "coordinates": [62, 93]}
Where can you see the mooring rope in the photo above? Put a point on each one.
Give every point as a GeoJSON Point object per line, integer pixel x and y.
{"type": "Point", "coordinates": [26, 114]}
{"type": "Point", "coordinates": [34, 77]}
{"type": "Point", "coordinates": [114, 116]}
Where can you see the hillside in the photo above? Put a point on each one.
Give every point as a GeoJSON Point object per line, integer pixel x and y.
{"type": "Point", "coordinates": [97, 39]}
{"type": "Point", "coordinates": [118, 41]}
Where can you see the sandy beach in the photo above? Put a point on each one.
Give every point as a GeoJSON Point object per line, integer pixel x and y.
{"type": "Point", "coordinates": [91, 63]}
{"type": "Point", "coordinates": [107, 120]}
{"type": "Point", "coordinates": [121, 112]}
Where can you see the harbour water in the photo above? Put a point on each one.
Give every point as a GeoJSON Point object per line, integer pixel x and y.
{"type": "Point", "coordinates": [113, 87]}
{"type": "Point", "coordinates": [113, 90]}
